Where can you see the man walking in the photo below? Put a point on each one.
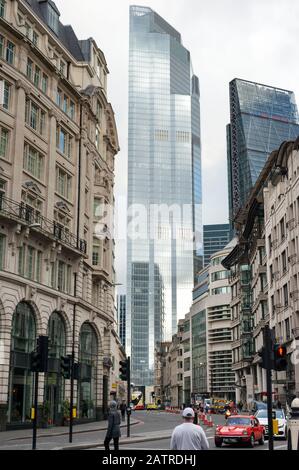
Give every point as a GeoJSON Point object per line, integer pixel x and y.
{"type": "Point", "coordinates": [123, 408]}
{"type": "Point", "coordinates": [113, 431]}
{"type": "Point", "coordinates": [188, 436]}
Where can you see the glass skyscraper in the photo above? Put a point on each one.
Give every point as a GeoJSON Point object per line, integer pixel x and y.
{"type": "Point", "coordinates": [261, 118]}
{"type": "Point", "coordinates": [164, 187]}
{"type": "Point", "coordinates": [215, 237]}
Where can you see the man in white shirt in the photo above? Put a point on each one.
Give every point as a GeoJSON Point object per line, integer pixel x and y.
{"type": "Point", "coordinates": [188, 436]}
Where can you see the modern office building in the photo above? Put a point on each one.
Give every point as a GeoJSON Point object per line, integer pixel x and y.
{"type": "Point", "coordinates": [121, 318]}
{"type": "Point", "coordinates": [261, 118]}
{"type": "Point", "coordinates": [58, 142]}
{"type": "Point", "coordinates": [164, 185]}
{"type": "Point", "coordinates": [215, 237]}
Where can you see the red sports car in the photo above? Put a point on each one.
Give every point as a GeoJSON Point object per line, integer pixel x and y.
{"type": "Point", "coordinates": [240, 428]}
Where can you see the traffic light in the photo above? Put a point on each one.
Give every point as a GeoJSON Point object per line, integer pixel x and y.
{"type": "Point", "coordinates": [35, 361]}
{"type": "Point", "coordinates": [39, 358]}
{"type": "Point", "coordinates": [265, 358]}
{"type": "Point", "coordinates": [123, 370]}
{"type": "Point", "coordinates": [77, 370]}
{"type": "Point", "coordinates": [65, 366]}
{"type": "Point", "coordinates": [280, 357]}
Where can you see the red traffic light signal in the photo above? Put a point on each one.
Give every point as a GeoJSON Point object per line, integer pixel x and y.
{"type": "Point", "coordinates": [280, 357]}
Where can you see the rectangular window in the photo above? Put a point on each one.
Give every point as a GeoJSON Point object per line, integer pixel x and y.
{"type": "Point", "coordinates": [4, 136]}
{"type": "Point", "coordinates": [35, 117]}
{"type": "Point", "coordinates": [6, 95]}
{"type": "Point", "coordinates": [97, 254]}
{"type": "Point", "coordinates": [29, 71]}
{"type": "Point", "coordinates": [63, 183]}
{"type": "Point", "coordinates": [38, 266]}
{"type": "Point", "coordinates": [64, 142]}
{"type": "Point", "coordinates": [282, 229]}
{"type": "Point", "coordinates": [21, 260]}
{"type": "Point", "coordinates": [44, 83]}
{"type": "Point", "coordinates": [285, 295]}
{"type": "Point", "coordinates": [33, 161]}
{"type": "Point", "coordinates": [2, 250]}
{"type": "Point", "coordinates": [2, 46]}
{"type": "Point", "coordinates": [52, 19]}
{"type": "Point", "coordinates": [30, 263]}
{"type": "Point", "coordinates": [284, 261]}
{"type": "Point", "coordinates": [37, 76]}
{"type": "Point", "coordinates": [99, 113]}
{"type": "Point", "coordinates": [35, 38]}
{"type": "Point", "coordinates": [72, 110]}
{"type": "Point", "coordinates": [63, 277]}
{"type": "Point", "coordinates": [58, 97]}
{"type": "Point", "coordinates": [27, 30]}
{"type": "Point", "coordinates": [65, 103]}
{"type": "Point", "coordinates": [10, 52]}
{"type": "Point", "coordinates": [62, 67]}
{"type": "Point", "coordinates": [98, 208]}
{"type": "Point", "coordinates": [97, 139]}
{"type": "Point", "coordinates": [2, 8]}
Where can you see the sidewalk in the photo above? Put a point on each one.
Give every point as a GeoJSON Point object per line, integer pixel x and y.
{"type": "Point", "coordinates": [142, 437]}
{"type": "Point", "coordinates": [23, 434]}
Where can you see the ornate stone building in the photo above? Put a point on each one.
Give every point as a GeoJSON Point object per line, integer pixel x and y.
{"type": "Point", "coordinates": [58, 142]}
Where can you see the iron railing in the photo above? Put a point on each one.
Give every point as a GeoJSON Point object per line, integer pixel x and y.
{"type": "Point", "coordinates": [24, 213]}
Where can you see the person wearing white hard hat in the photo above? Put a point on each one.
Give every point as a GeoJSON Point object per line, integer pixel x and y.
{"type": "Point", "coordinates": [188, 436]}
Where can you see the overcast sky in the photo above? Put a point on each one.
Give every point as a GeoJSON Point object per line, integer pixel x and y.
{"type": "Point", "coordinates": [256, 40]}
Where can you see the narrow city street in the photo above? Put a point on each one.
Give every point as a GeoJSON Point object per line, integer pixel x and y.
{"type": "Point", "coordinates": [151, 430]}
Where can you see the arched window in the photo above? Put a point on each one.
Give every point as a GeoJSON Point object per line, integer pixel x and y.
{"type": "Point", "coordinates": [54, 383]}
{"type": "Point", "coordinates": [57, 336]}
{"type": "Point", "coordinates": [23, 329]}
{"type": "Point", "coordinates": [88, 348]}
{"type": "Point", "coordinates": [21, 379]}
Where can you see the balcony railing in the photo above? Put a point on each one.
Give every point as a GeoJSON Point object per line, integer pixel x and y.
{"type": "Point", "coordinates": [24, 213]}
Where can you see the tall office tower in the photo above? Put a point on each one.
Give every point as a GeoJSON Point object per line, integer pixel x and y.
{"type": "Point", "coordinates": [215, 238]}
{"type": "Point", "coordinates": [261, 118]}
{"type": "Point", "coordinates": [121, 318]}
{"type": "Point", "coordinates": [164, 185]}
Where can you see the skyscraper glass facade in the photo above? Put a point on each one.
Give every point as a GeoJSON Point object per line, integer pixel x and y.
{"type": "Point", "coordinates": [164, 187]}
{"type": "Point", "coordinates": [121, 318]}
{"type": "Point", "coordinates": [215, 237]}
{"type": "Point", "coordinates": [262, 117]}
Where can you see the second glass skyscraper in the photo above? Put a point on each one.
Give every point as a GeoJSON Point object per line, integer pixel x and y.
{"type": "Point", "coordinates": [164, 187]}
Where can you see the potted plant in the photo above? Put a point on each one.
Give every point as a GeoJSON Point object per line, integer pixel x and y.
{"type": "Point", "coordinates": [65, 408]}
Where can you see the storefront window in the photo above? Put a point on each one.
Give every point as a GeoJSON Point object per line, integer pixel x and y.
{"type": "Point", "coordinates": [21, 379]}
{"type": "Point", "coordinates": [54, 393]}
{"type": "Point", "coordinates": [87, 384]}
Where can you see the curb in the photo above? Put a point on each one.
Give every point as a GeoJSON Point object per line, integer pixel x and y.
{"type": "Point", "coordinates": [124, 441]}
{"type": "Point", "coordinates": [41, 436]}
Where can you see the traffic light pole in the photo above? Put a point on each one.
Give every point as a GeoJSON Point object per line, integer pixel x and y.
{"type": "Point", "coordinates": [35, 411]}
{"type": "Point", "coordinates": [128, 396]}
{"type": "Point", "coordinates": [268, 346]}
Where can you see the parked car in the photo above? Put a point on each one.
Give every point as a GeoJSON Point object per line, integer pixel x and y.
{"type": "Point", "coordinates": [257, 405]}
{"type": "Point", "coordinates": [262, 416]}
{"type": "Point", "coordinates": [240, 429]}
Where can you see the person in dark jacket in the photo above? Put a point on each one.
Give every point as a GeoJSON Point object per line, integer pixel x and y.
{"type": "Point", "coordinates": [123, 408]}
{"type": "Point", "coordinates": [113, 431]}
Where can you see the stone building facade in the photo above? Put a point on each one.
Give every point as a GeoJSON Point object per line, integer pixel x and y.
{"type": "Point", "coordinates": [264, 273]}
{"type": "Point", "coordinates": [58, 142]}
